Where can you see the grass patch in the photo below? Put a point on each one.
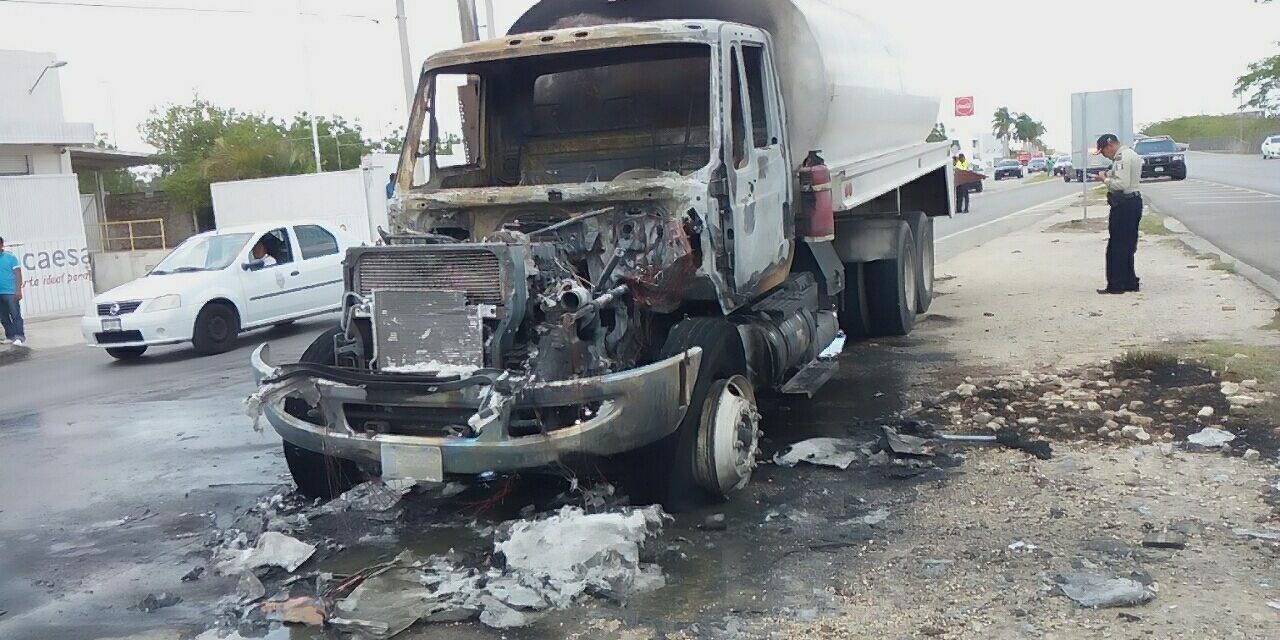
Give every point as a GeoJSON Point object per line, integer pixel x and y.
{"type": "Point", "coordinates": [1137, 361]}
{"type": "Point", "coordinates": [1039, 177]}
{"type": "Point", "coordinates": [1152, 224]}
{"type": "Point", "coordinates": [1229, 267]}
{"type": "Point", "coordinates": [1093, 225]}
{"type": "Point", "coordinates": [1258, 362]}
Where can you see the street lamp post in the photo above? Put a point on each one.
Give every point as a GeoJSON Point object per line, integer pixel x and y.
{"type": "Point", "coordinates": [57, 64]}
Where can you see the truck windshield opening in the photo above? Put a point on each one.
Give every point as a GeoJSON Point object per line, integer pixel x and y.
{"type": "Point", "coordinates": [588, 116]}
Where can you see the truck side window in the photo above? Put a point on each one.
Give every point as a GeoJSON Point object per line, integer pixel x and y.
{"type": "Point", "coordinates": [738, 130]}
{"type": "Point", "coordinates": [753, 58]}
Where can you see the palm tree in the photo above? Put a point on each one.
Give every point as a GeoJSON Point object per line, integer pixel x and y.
{"type": "Point", "coordinates": [1028, 131]}
{"type": "Point", "coordinates": [1002, 124]}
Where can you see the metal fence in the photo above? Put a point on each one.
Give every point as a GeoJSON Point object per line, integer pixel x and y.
{"type": "Point", "coordinates": [132, 235]}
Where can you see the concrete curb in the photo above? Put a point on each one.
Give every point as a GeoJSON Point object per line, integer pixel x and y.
{"type": "Point", "coordinates": [1198, 244]}
{"type": "Point", "coordinates": [10, 354]}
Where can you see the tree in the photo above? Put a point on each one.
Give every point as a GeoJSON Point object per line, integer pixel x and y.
{"type": "Point", "coordinates": [1028, 130]}
{"type": "Point", "coordinates": [200, 143]}
{"type": "Point", "coordinates": [1002, 124]}
{"type": "Point", "coordinates": [1263, 81]}
{"type": "Point", "coordinates": [939, 133]}
{"type": "Point", "coordinates": [342, 144]}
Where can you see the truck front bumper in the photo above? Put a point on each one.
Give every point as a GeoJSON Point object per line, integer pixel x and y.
{"type": "Point", "coordinates": [634, 408]}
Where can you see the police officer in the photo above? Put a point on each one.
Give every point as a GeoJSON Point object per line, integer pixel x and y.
{"type": "Point", "coordinates": [962, 190]}
{"type": "Point", "coordinates": [1122, 181]}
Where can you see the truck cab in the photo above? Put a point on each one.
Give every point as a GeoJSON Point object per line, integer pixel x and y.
{"type": "Point", "coordinates": [632, 252]}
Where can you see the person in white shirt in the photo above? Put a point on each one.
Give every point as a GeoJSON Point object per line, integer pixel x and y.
{"type": "Point", "coordinates": [1122, 180]}
{"type": "Point", "coordinates": [260, 253]}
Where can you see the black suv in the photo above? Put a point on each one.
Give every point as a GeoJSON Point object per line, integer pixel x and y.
{"type": "Point", "coordinates": [1161, 157]}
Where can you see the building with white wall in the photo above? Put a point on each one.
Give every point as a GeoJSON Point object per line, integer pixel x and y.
{"type": "Point", "coordinates": [41, 216]}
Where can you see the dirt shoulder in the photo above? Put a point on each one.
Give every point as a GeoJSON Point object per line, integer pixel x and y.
{"type": "Point", "coordinates": [984, 553]}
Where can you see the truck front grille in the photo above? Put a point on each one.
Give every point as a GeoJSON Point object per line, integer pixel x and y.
{"type": "Point", "coordinates": [477, 272]}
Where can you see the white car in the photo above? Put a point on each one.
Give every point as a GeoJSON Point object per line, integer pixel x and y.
{"type": "Point", "coordinates": [219, 283]}
{"type": "Point", "coordinates": [1271, 148]}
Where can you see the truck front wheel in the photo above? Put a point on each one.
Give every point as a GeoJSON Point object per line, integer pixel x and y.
{"type": "Point", "coordinates": [316, 474]}
{"type": "Point", "coordinates": [892, 287]}
{"type": "Point", "coordinates": [712, 453]}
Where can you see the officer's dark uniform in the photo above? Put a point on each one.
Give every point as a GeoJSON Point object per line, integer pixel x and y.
{"type": "Point", "coordinates": [1123, 180]}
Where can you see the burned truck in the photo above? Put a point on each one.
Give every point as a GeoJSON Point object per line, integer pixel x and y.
{"type": "Point", "coordinates": [668, 209]}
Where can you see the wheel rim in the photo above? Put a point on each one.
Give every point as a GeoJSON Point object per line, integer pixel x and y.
{"type": "Point", "coordinates": [218, 329]}
{"type": "Point", "coordinates": [909, 278]}
{"type": "Point", "coordinates": [731, 436]}
{"type": "Point", "coordinates": [927, 266]}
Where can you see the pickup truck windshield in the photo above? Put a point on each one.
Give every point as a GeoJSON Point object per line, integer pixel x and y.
{"type": "Point", "coordinates": [204, 253]}
{"type": "Point", "coordinates": [586, 116]}
{"type": "Point", "coordinates": [1155, 146]}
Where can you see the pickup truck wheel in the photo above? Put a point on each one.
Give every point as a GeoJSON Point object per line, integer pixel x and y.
{"type": "Point", "coordinates": [854, 319]}
{"type": "Point", "coordinates": [318, 475]}
{"type": "Point", "coordinates": [891, 288]}
{"type": "Point", "coordinates": [126, 353]}
{"type": "Point", "coordinates": [216, 329]}
{"type": "Point", "coordinates": [924, 270]}
{"type": "Point", "coordinates": [709, 456]}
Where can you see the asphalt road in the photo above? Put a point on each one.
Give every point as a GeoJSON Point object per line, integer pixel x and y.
{"type": "Point", "coordinates": [1232, 201]}
{"type": "Point", "coordinates": [112, 473]}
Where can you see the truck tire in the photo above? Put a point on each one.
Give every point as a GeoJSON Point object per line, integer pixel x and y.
{"type": "Point", "coordinates": [924, 266]}
{"type": "Point", "coordinates": [127, 354]}
{"type": "Point", "coordinates": [854, 320]}
{"type": "Point", "coordinates": [315, 474]}
{"type": "Point", "coordinates": [892, 286]}
{"type": "Point", "coordinates": [697, 463]}
{"type": "Point", "coordinates": [216, 329]}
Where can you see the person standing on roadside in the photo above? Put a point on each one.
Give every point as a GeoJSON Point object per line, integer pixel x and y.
{"type": "Point", "coordinates": [962, 190]}
{"type": "Point", "coordinates": [1122, 180]}
{"type": "Point", "coordinates": [11, 296]}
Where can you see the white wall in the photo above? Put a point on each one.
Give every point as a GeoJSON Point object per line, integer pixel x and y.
{"type": "Point", "coordinates": [18, 71]}
{"type": "Point", "coordinates": [354, 200]}
{"type": "Point", "coordinates": [114, 268]}
{"type": "Point", "coordinates": [42, 224]}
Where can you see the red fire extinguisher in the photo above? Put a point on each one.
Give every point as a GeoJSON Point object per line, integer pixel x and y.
{"type": "Point", "coordinates": [817, 221]}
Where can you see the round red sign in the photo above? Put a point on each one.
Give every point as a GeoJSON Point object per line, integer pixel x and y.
{"type": "Point", "coordinates": [964, 106]}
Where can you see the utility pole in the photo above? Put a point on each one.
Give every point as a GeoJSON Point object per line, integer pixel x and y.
{"type": "Point", "coordinates": [488, 19]}
{"type": "Point", "coordinates": [467, 20]}
{"type": "Point", "coordinates": [406, 61]}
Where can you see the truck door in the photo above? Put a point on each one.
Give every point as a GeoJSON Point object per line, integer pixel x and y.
{"type": "Point", "coordinates": [758, 171]}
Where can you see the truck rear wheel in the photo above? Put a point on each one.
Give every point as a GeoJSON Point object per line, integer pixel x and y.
{"type": "Point", "coordinates": [924, 268]}
{"type": "Point", "coordinates": [316, 474]}
{"type": "Point", "coordinates": [711, 454]}
{"type": "Point", "coordinates": [854, 319]}
{"type": "Point", "coordinates": [892, 287]}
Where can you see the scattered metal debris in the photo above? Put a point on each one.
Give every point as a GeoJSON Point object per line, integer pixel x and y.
{"type": "Point", "coordinates": [194, 574]}
{"type": "Point", "coordinates": [302, 610]}
{"type": "Point", "coordinates": [1211, 438]}
{"type": "Point", "coordinates": [1269, 536]}
{"type": "Point", "coordinates": [906, 445]}
{"type": "Point", "coordinates": [274, 549]}
{"type": "Point", "coordinates": [153, 602]}
{"type": "Point", "coordinates": [1165, 540]}
{"type": "Point", "coordinates": [1100, 592]}
{"type": "Point", "coordinates": [827, 452]}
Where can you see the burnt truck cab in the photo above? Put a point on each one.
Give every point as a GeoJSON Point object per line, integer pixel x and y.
{"type": "Point", "coordinates": [638, 243]}
{"type": "Point", "coordinates": [515, 315]}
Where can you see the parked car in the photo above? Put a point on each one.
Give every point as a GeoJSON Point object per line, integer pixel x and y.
{"type": "Point", "coordinates": [1009, 169]}
{"type": "Point", "coordinates": [1038, 165]}
{"type": "Point", "coordinates": [217, 284]}
{"type": "Point", "coordinates": [1061, 165]}
{"type": "Point", "coordinates": [1161, 157]}
{"type": "Point", "coordinates": [1271, 148]}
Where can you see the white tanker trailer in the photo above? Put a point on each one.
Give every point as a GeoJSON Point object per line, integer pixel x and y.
{"type": "Point", "coordinates": [669, 208]}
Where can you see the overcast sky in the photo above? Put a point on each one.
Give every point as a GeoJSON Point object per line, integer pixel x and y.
{"type": "Point", "coordinates": [1180, 57]}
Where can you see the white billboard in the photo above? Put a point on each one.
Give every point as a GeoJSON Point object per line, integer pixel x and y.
{"type": "Point", "coordinates": [1094, 113]}
{"type": "Point", "coordinates": [41, 223]}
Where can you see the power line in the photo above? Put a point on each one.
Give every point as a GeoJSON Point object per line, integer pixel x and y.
{"type": "Point", "coordinates": [138, 7]}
